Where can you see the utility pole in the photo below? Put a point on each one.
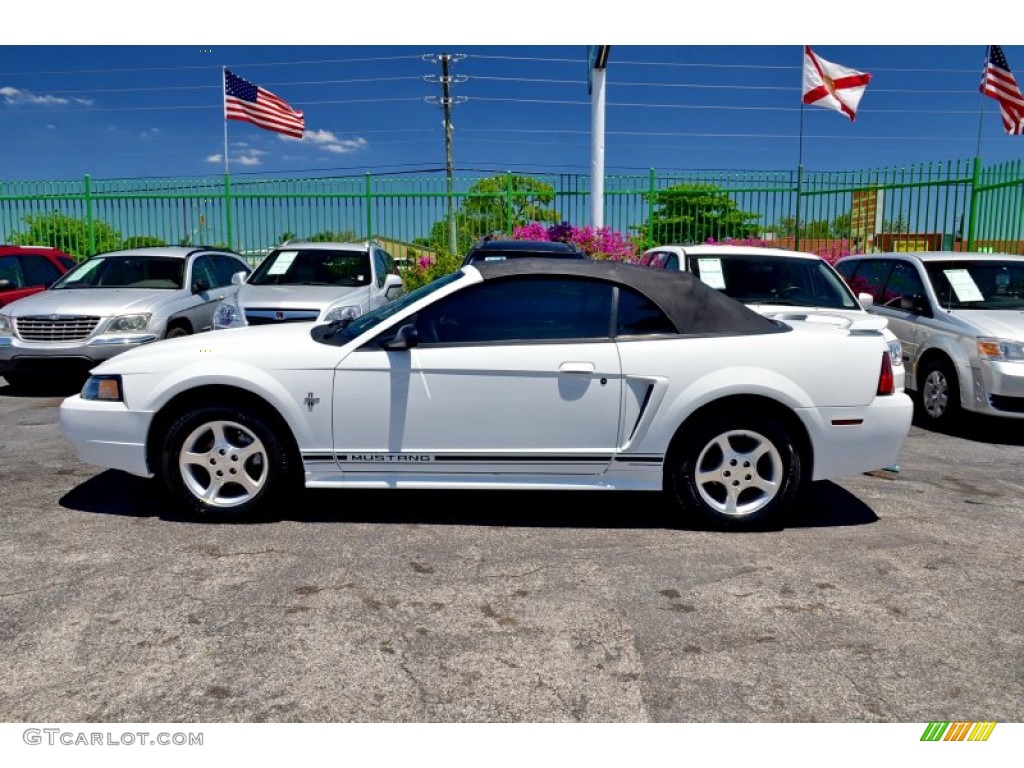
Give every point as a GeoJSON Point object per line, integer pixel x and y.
{"type": "Point", "coordinates": [447, 101]}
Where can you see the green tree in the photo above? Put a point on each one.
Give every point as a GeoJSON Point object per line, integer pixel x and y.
{"type": "Point", "coordinates": [143, 241]}
{"type": "Point", "coordinates": [67, 234]}
{"type": "Point", "coordinates": [695, 213]}
{"type": "Point", "coordinates": [899, 224]}
{"type": "Point", "coordinates": [490, 205]}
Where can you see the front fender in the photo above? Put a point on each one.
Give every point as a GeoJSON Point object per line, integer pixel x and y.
{"type": "Point", "coordinates": [151, 392]}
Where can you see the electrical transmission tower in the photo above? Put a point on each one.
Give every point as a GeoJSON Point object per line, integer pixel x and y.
{"type": "Point", "coordinates": [447, 101]}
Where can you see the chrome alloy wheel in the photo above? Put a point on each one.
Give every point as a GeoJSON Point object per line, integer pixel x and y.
{"type": "Point", "coordinates": [935, 394]}
{"type": "Point", "coordinates": [739, 472]}
{"type": "Point", "coordinates": [223, 464]}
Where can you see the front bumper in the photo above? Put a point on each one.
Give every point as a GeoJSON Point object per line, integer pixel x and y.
{"type": "Point", "coordinates": [21, 356]}
{"type": "Point", "coordinates": [999, 389]}
{"type": "Point", "coordinates": [107, 434]}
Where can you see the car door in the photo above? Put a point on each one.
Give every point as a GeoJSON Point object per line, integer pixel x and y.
{"type": "Point", "coordinates": [517, 376]}
{"type": "Point", "coordinates": [904, 286]}
{"type": "Point", "coordinates": [205, 302]}
{"type": "Point", "coordinates": [15, 287]}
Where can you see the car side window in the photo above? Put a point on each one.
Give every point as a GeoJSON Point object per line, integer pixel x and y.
{"type": "Point", "coordinates": [384, 265]}
{"type": "Point", "coordinates": [202, 269]}
{"type": "Point", "coordinates": [870, 277]}
{"type": "Point", "coordinates": [903, 281]}
{"type": "Point", "coordinates": [10, 270]}
{"type": "Point", "coordinates": [520, 309]}
{"type": "Point", "coordinates": [639, 316]}
{"type": "Point", "coordinates": [226, 266]}
{"type": "Point", "coordinates": [38, 270]}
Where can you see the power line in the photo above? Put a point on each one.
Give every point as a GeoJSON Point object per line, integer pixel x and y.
{"type": "Point", "coordinates": [208, 66]}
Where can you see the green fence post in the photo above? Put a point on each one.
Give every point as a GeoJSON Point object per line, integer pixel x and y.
{"type": "Point", "coordinates": [508, 203]}
{"type": "Point", "coordinates": [796, 224]}
{"type": "Point", "coordinates": [227, 210]}
{"type": "Point", "coordinates": [975, 183]}
{"type": "Point", "coordinates": [89, 228]}
{"type": "Point", "coordinates": [650, 210]}
{"type": "Point", "coordinates": [369, 208]}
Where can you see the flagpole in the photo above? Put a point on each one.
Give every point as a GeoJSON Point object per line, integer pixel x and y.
{"type": "Point", "coordinates": [799, 179]}
{"type": "Point", "coordinates": [223, 88]}
{"type": "Point", "coordinates": [981, 114]}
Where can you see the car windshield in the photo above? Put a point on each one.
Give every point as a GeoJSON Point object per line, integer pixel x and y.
{"type": "Point", "coordinates": [774, 280]}
{"type": "Point", "coordinates": [978, 284]}
{"type": "Point", "coordinates": [314, 266]}
{"type": "Point", "coordinates": [342, 334]}
{"type": "Point", "coordinates": [135, 271]}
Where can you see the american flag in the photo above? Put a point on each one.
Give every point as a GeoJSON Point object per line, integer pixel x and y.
{"type": "Point", "coordinates": [999, 83]}
{"type": "Point", "coordinates": [252, 104]}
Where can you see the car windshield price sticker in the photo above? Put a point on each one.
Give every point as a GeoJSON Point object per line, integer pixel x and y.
{"type": "Point", "coordinates": [89, 266]}
{"type": "Point", "coordinates": [282, 262]}
{"type": "Point", "coordinates": [963, 285]}
{"type": "Point", "coordinates": [711, 272]}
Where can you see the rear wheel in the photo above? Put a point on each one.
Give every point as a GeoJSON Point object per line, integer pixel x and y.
{"type": "Point", "coordinates": [176, 332]}
{"type": "Point", "coordinates": [225, 462]}
{"type": "Point", "coordinates": [737, 470]}
{"type": "Point", "coordinates": [940, 394]}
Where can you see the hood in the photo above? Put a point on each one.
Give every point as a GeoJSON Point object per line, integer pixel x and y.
{"type": "Point", "coordinates": [267, 346]}
{"type": "Point", "coordinates": [299, 296]}
{"type": "Point", "coordinates": [101, 302]}
{"type": "Point", "coordinates": [997, 323]}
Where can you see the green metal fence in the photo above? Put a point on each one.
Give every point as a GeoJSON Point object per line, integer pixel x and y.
{"type": "Point", "coordinates": [958, 205]}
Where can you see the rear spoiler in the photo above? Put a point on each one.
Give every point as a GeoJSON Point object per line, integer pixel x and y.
{"type": "Point", "coordinates": [866, 324]}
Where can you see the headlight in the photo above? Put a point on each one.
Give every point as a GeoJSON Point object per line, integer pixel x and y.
{"type": "Point", "coordinates": [228, 316]}
{"type": "Point", "coordinates": [998, 349]}
{"type": "Point", "coordinates": [6, 326]}
{"type": "Point", "coordinates": [103, 388]}
{"type": "Point", "coordinates": [342, 313]}
{"type": "Point", "coordinates": [895, 352]}
{"type": "Point", "coordinates": [127, 324]}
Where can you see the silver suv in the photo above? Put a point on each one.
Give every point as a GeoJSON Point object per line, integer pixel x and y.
{"type": "Point", "coordinates": [111, 303]}
{"type": "Point", "coordinates": [960, 317]}
{"type": "Point", "coordinates": [313, 282]}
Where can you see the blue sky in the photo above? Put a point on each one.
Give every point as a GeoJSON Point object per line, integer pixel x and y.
{"type": "Point", "coordinates": [84, 105]}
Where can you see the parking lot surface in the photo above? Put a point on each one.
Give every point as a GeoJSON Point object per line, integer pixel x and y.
{"type": "Point", "coordinates": [891, 597]}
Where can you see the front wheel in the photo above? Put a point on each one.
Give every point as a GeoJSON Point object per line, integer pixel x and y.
{"type": "Point", "coordinates": [737, 470]}
{"type": "Point", "coordinates": [224, 462]}
{"type": "Point", "coordinates": [940, 394]}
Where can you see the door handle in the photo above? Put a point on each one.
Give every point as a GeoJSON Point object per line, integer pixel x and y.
{"type": "Point", "coordinates": [584, 368]}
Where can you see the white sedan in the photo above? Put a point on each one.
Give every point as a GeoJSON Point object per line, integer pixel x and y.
{"type": "Point", "coordinates": [524, 374]}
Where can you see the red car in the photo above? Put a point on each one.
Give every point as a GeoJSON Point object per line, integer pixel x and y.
{"type": "Point", "coordinates": [28, 269]}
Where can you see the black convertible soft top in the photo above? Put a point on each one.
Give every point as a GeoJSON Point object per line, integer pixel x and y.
{"type": "Point", "coordinates": [692, 306]}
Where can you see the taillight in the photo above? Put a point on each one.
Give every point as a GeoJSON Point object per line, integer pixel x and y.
{"type": "Point", "coordinates": [886, 382]}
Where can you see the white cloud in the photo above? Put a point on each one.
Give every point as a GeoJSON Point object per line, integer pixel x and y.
{"type": "Point", "coordinates": [246, 157]}
{"type": "Point", "coordinates": [150, 133]}
{"type": "Point", "coordinates": [329, 142]}
{"type": "Point", "coordinates": [248, 160]}
{"type": "Point", "coordinates": [51, 127]}
{"type": "Point", "coordinates": [215, 159]}
{"type": "Point", "coordinates": [17, 97]}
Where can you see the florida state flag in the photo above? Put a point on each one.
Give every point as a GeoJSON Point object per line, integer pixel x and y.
{"type": "Point", "coordinates": [831, 85]}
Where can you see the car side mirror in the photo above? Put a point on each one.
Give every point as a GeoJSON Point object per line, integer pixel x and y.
{"type": "Point", "coordinates": [238, 278]}
{"type": "Point", "coordinates": [200, 285]}
{"type": "Point", "coordinates": [866, 300]}
{"type": "Point", "coordinates": [393, 286]}
{"type": "Point", "coordinates": [5, 284]}
{"type": "Point", "coordinates": [405, 337]}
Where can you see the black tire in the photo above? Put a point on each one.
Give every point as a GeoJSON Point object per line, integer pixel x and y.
{"type": "Point", "coordinates": [737, 470]}
{"type": "Point", "coordinates": [235, 441]}
{"type": "Point", "coordinates": [176, 332]}
{"type": "Point", "coordinates": [938, 394]}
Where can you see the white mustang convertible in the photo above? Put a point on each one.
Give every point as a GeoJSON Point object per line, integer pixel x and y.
{"type": "Point", "coordinates": [524, 374]}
